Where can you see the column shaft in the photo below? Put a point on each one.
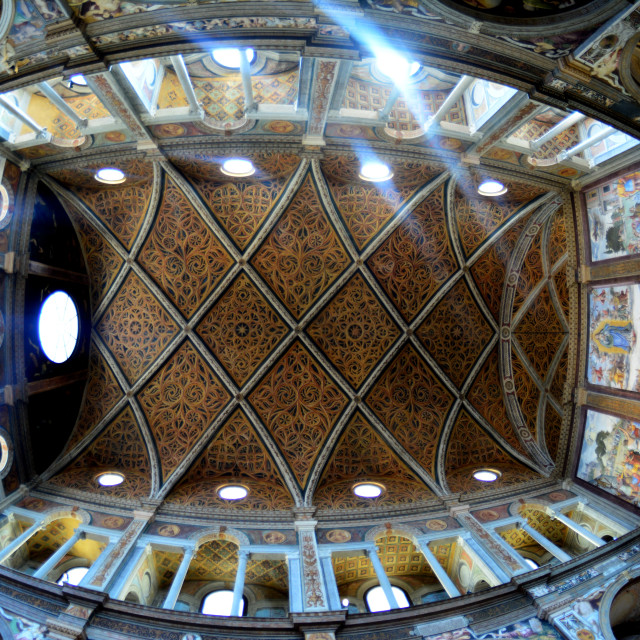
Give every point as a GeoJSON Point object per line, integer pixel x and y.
{"type": "Point", "coordinates": [44, 571]}
{"type": "Point", "coordinates": [238, 587]}
{"type": "Point", "coordinates": [19, 541]}
{"type": "Point", "coordinates": [335, 604]}
{"type": "Point", "coordinates": [382, 578]}
{"type": "Point", "coordinates": [295, 583]}
{"type": "Point", "coordinates": [178, 580]}
{"type": "Point", "coordinates": [436, 567]}
{"type": "Point", "coordinates": [579, 529]}
{"type": "Point", "coordinates": [85, 582]}
{"type": "Point", "coordinates": [545, 543]}
{"type": "Point", "coordinates": [116, 590]}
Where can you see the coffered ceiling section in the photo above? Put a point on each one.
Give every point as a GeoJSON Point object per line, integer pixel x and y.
{"type": "Point", "coordinates": [300, 330]}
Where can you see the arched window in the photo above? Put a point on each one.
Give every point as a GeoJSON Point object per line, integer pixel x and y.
{"type": "Point", "coordinates": [377, 600]}
{"type": "Point", "coordinates": [532, 563]}
{"type": "Point", "coordinates": [73, 576]}
{"type": "Point", "coordinates": [218, 603]}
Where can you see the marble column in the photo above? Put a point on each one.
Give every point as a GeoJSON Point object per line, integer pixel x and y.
{"type": "Point", "coordinates": [45, 569]}
{"type": "Point", "coordinates": [295, 582]}
{"type": "Point", "coordinates": [178, 579]}
{"type": "Point", "coordinates": [383, 580]}
{"type": "Point", "coordinates": [579, 529]}
{"type": "Point", "coordinates": [314, 597]}
{"type": "Point", "coordinates": [545, 543]}
{"type": "Point", "coordinates": [436, 567]}
{"type": "Point", "coordinates": [484, 557]}
{"type": "Point", "coordinates": [95, 567]}
{"type": "Point", "coordinates": [238, 587]}
{"type": "Point", "coordinates": [335, 603]}
{"type": "Point", "coordinates": [125, 573]}
{"type": "Point", "coordinates": [20, 540]}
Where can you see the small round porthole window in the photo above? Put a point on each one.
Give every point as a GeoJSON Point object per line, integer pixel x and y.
{"type": "Point", "coordinates": [58, 326]}
{"type": "Point", "coordinates": [6, 204]}
{"type": "Point", "coordinates": [4, 452]}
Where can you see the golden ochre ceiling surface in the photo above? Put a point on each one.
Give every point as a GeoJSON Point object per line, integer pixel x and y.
{"type": "Point", "coordinates": [302, 329]}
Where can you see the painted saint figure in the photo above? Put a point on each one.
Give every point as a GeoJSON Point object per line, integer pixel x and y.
{"type": "Point", "coordinates": [615, 336]}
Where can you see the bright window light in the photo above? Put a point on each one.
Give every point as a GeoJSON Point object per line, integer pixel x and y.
{"type": "Point", "coordinates": [110, 479]}
{"type": "Point", "coordinates": [218, 603]}
{"type": "Point", "coordinates": [73, 576]}
{"type": "Point", "coordinates": [395, 66]}
{"type": "Point", "coordinates": [367, 490]}
{"type": "Point", "coordinates": [79, 79]}
{"type": "Point", "coordinates": [345, 602]}
{"type": "Point", "coordinates": [230, 58]}
{"type": "Point", "coordinates": [233, 492]}
{"type": "Point", "coordinates": [486, 475]}
{"type": "Point", "coordinates": [532, 563]}
{"type": "Point", "coordinates": [58, 326]}
{"type": "Point", "coordinates": [375, 171]}
{"type": "Point", "coordinates": [377, 600]}
{"type": "Point", "coordinates": [238, 167]}
{"type": "Point", "coordinates": [491, 188]}
{"type": "Point", "coordinates": [110, 175]}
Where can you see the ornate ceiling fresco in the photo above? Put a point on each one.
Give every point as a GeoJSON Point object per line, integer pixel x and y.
{"type": "Point", "coordinates": [302, 329]}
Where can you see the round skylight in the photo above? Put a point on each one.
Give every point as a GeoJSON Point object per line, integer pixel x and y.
{"type": "Point", "coordinates": [368, 489]}
{"type": "Point", "coordinates": [110, 175]}
{"type": "Point", "coordinates": [395, 66]}
{"type": "Point", "coordinates": [238, 167]}
{"type": "Point", "coordinates": [491, 188]}
{"type": "Point", "coordinates": [58, 326]}
{"type": "Point", "coordinates": [230, 58]}
{"type": "Point", "coordinates": [233, 492]}
{"type": "Point", "coordinates": [79, 79]}
{"type": "Point", "coordinates": [486, 475]}
{"type": "Point", "coordinates": [110, 479]}
{"type": "Point", "coordinates": [375, 171]}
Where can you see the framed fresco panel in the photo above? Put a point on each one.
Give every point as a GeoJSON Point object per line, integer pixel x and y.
{"type": "Point", "coordinates": [610, 455]}
{"type": "Point", "coordinates": [614, 324]}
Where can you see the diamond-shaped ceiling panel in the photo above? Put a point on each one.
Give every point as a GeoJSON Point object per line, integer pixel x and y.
{"type": "Point", "coordinates": [135, 327]}
{"type": "Point", "coordinates": [299, 404]}
{"type": "Point", "coordinates": [180, 402]}
{"type": "Point", "coordinates": [182, 254]}
{"type": "Point", "coordinates": [242, 329]}
{"type": "Point", "coordinates": [303, 255]}
{"type": "Point", "coordinates": [417, 258]}
{"type": "Point", "coordinates": [411, 402]}
{"type": "Point", "coordinates": [455, 333]}
{"type": "Point", "coordinates": [354, 330]}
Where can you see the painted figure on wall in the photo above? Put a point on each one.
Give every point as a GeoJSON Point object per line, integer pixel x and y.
{"type": "Point", "coordinates": [610, 456]}
{"type": "Point", "coordinates": [532, 629]}
{"type": "Point", "coordinates": [614, 358]}
{"type": "Point", "coordinates": [613, 210]}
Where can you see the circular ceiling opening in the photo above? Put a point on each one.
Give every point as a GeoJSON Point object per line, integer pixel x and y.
{"type": "Point", "coordinates": [58, 326]}
{"type": "Point", "coordinates": [491, 188]}
{"type": "Point", "coordinates": [231, 58]}
{"type": "Point", "coordinates": [374, 171]}
{"type": "Point", "coordinates": [110, 479]}
{"type": "Point", "coordinates": [486, 475]}
{"type": "Point", "coordinates": [368, 489]}
{"type": "Point", "coordinates": [233, 492]}
{"type": "Point", "coordinates": [110, 175]}
{"type": "Point", "coordinates": [238, 167]}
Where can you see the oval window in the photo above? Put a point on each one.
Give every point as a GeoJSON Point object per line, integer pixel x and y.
{"type": "Point", "coordinates": [58, 327]}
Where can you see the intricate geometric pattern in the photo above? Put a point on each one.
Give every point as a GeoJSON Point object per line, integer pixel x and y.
{"type": "Point", "coordinates": [52, 537]}
{"type": "Point", "coordinates": [527, 392]}
{"type": "Point", "coordinates": [135, 327]}
{"type": "Point", "coordinates": [455, 333]}
{"type": "Point", "coordinates": [560, 377]}
{"type": "Point", "coordinates": [273, 574]}
{"type": "Point", "coordinates": [101, 394]}
{"type": "Point", "coordinates": [489, 270]}
{"type": "Point", "coordinates": [413, 405]}
{"type": "Point", "coordinates": [470, 448]}
{"type": "Point", "coordinates": [361, 454]}
{"type": "Point", "coordinates": [119, 447]}
{"type": "Point", "coordinates": [299, 404]}
{"type": "Point", "coordinates": [215, 560]}
{"type": "Point", "coordinates": [540, 333]}
{"type": "Point", "coordinates": [557, 237]}
{"type": "Point", "coordinates": [477, 217]}
{"type": "Point", "coordinates": [366, 207]}
{"type": "Point", "coordinates": [222, 97]}
{"type": "Point", "coordinates": [552, 430]}
{"type": "Point", "coordinates": [236, 454]}
{"type": "Point", "coordinates": [239, 205]}
{"type": "Point", "coordinates": [486, 396]}
{"type": "Point", "coordinates": [180, 402]}
{"type": "Point", "coordinates": [560, 281]}
{"type": "Point", "coordinates": [103, 262]}
{"type": "Point", "coordinates": [121, 207]}
{"type": "Point", "coordinates": [242, 329]}
{"type": "Point", "coordinates": [182, 254]}
{"type": "Point", "coordinates": [416, 259]}
{"type": "Point", "coordinates": [549, 527]}
{"type": "Point", "coordinates": [531, 272]}
{"type": "Point", "coordinates": [354, 330]}
{"type": "Point", "coordinates": [303, 255]}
